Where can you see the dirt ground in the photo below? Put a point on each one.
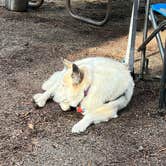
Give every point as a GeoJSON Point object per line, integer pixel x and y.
{"type": "Point", "coordinates": [31, 47]}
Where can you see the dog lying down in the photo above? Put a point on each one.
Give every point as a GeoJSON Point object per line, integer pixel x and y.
{"type": "Point", "coordinates": [98, 87]}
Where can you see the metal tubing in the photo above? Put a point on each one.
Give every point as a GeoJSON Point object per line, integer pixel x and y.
{"type": "Point", "coordinates": [35, 4]}
{"type": "Point", "coordinates": [88, 20]}
{"type": "Point", "coordinates": [161, 27]}
{"type": "Point", "coordinates": [162, 99]}
{"type": "Point", "coordinates": [145, 32]}
{"type": "Point", "coordinates": [129, 57]}
{"type": "Point", "coordinates": [158, 37]}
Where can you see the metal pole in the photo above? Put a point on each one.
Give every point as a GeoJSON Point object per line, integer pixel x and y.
{"type": "Point", "coordinates": [129, 57]}
{"type": "Point", "coordinates": [144, 61]}
{"type": "Point", "coordinates": [162, 99]}
{"type": "Point", "coordinates": [161, 27]}
{"type": "Point", "coordinates": [158, 37]}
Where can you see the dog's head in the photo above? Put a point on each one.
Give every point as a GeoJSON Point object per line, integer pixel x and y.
{"type": "Point", "coordinates": [73, 83]}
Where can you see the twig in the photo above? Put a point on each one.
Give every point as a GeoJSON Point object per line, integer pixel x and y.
{"type": "Point", "coordinates": [161, 150]}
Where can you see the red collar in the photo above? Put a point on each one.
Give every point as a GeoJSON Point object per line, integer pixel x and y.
{"type": "Point", "coordinates": [80, 110]}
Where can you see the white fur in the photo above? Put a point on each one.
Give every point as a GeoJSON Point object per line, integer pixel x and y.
{"type": "Point", "coordinates": [108, 80]}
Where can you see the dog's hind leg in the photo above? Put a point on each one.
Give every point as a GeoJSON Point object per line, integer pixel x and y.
{"type": "Point", "coordinates": [109, 110]}
{"type": "Point", "coordinates": [122, 101]}
{"type": "Point", "coordinates": [104, 113]}
{"type": "Point", "coordinates": [101, 114]}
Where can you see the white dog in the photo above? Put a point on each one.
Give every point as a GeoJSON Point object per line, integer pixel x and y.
{"type": "Point", "coordinates": [97, 86]}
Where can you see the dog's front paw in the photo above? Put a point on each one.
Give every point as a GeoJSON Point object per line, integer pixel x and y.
{"type": "Point", "coordinates": [79, 127]}
{"type": "Point", "coordinates": [39, 100]}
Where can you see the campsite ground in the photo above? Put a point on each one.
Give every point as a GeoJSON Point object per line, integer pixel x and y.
{"type": "Point", "coordinates": [31, 47]}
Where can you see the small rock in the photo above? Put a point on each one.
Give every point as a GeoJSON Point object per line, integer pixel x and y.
{"type": "Point", "coordinates": [31, 126]}
{"type": "Point", "coordinates": [140, 148]}
{"type": "Point", "coordinates": [34, 141]}
{"type": "Point", "coordinates": [26, 44]}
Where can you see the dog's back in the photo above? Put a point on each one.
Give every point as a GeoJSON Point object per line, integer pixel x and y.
{"type": "Point", "coordinates": [110, 78]}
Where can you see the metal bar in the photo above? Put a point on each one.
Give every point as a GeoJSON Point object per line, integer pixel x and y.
{"type": "Point", "coordinates": [145, 32]}
{"type": "Point", "coordinates": [129, 57]}
{"type": "Point", "coordinates": [35, 4]}
{"type": "Point", "coordinates": [162, 98]}
{"type": "Point", "coordinates": [158, 37]}
{"type": "Point", "coordinates": [162, 26]}
{"type": "Point", "coordinates": [88, 20]}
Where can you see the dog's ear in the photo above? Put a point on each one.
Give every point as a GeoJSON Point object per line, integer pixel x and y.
{"type": "Point", "coordinates": [67, 63]}
{"type": "Point", "coordinates": [77, 74]}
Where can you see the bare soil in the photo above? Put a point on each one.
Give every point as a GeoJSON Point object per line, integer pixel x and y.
{"type": "Point", "coordinates": [31, 47]}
